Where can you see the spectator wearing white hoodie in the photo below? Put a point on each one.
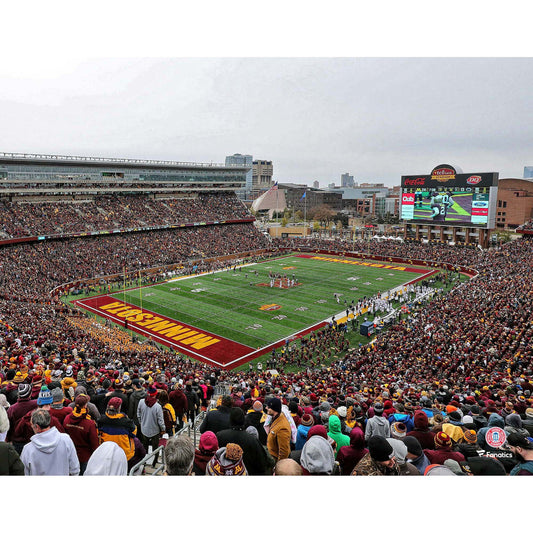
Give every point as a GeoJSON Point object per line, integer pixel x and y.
{"type": "Point", "coordinates": [49, 452]}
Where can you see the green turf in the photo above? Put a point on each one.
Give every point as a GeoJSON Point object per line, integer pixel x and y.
{"type": "Point", "coordinates": [228, 303]}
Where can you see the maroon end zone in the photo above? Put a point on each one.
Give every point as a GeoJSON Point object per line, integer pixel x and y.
{"type": "Point", "coordinates": [197, 343]}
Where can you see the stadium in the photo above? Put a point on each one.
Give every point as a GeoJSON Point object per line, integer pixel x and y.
{"type": "Point", "coordinates": [141, 306]}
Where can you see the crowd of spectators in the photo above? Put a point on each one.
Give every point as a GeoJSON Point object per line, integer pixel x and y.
{"type": "Point", "coordinates": [30, 271]}
{"type": "Point", "coordinates": [464, 359]}
{"type": "Point", "coordinates": [115, 212]}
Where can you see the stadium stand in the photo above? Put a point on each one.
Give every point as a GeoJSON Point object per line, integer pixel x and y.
{"type": "Point", "coordinates": [450, 373]}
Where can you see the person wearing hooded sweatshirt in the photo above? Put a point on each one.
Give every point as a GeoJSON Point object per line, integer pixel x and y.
{"type": "Point", "coordinates": [400, 452]}
{"type": "Point", "coordinates": [421, 431]}
{"type": "Point", "coordinates": [24, 430]}
{"type": "Point", "coordinates": [109, 459]}
{"type": "Point", "coordinates": [495, 420]}
{"type": "Point", "coordinates": [82, 430]}
{"type": "Point", "coordinates": [349, 456]}
{"type": "Point", "coordinates": [336, 434]}
{"type": "Point", "coordinates": [415, 454]}
{"type": "Point", "coordinates": [513, 423]}
{"type": "Point", "coordinates": [92, 410]}
{"type": "Point", "coordinates": [378, 424]}
{"type": "Point", "coordinates": [318, 458]}
{"type": "Point", "coordinates": [49, 453]}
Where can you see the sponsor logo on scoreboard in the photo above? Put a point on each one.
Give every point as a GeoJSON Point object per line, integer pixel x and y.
{"type": "Point", "coordinates": [473, 180]}
{"type": "Point", "coordinates": [443, 174]}
{"type": "Point", "coordinates": [414, 182]}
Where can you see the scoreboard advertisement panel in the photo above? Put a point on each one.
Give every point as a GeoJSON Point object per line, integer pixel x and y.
{"type": "Point", "coordinates": [447, 198]}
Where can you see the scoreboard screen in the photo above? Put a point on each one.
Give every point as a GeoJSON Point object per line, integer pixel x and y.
{"type": "Point", "coordinates": [447, 198]}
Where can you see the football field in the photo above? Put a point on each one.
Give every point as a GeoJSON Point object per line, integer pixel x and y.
{"type": "Point", "coordinates": [229, 317]}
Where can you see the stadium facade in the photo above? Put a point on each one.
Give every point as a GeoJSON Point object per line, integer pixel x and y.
{"type": "Point", "coordinates": [21, 173]}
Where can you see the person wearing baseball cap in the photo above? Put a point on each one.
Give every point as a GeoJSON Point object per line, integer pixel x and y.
{"type": "Point", "coordinates": [279, 432]}
{"type": "Point", "coordinates": [522, 449]}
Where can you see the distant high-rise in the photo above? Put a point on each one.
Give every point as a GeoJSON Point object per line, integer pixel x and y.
{"type": "Point", "coordinates": [347, 180]}
{"type": "Point", "coordinates": [316, 184]}
{"type": "Point", "coordinates": [263, 171]}
{"type": "Point", "coordinates": [243, 160]}
{"type": "Point", "coordinates": [528, 172]}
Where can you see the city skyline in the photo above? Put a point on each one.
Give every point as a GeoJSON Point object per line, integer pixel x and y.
{"type": "Point", "coordinates": [314, 118]}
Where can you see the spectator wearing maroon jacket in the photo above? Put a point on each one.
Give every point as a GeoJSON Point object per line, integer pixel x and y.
{"type": "Point", "coordinates": [16, 412]}
{"type": "Point", "coordinates": [422, 432]}
{"type": "Point", "coordinates": [178, 400]}
{"type": "Point", "coordinates": [349, 456]}
{"type": "Point", "coordinates": [82, 430]}
{"type": "Point", "coordinates": [58, 408]}
{"type": "Point", "coordinates": [443, 450]}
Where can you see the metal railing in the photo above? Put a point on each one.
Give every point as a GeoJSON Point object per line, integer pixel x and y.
{"type": "Point", "coordinates": [149, 458]}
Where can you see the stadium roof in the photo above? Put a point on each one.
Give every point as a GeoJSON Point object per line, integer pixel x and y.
{"type": "Point", "coordinates": [107, 161]}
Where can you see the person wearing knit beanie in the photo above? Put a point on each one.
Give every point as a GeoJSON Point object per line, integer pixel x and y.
{"type": "Point", "coordinates": [415, 454]}
{"type": "Point", "coordinates": [114, 405]}
{"type": "Point", "coordinates": [470, 436]}
{"type": "Point", "coordinates": [379, 461]}
{"type": "Point", "coordinates": [398, 430]}
{"type": "Point", "coordinates": [24, 391]}
{"type": "Point", "coordinates": [443, 440]}
{"type": "Point", "coordinates": [207, 447]}
{"type": "Point", "coordinates": [45, 397]}
{"type": "Point", "coordinates": [443, 450]}
{"type": "Point", "coordinates": [257, 406]}
{"type": "Point", "coordinates": [227, 461]}
{"type": "Point", "coordinates": [306, 422]}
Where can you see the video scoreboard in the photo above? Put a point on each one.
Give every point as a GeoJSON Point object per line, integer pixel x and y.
{"type": "Point", "coordinates": [445, 197]}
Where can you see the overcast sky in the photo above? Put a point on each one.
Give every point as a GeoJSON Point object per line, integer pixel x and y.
{"type": "Point", "coordinates": [315, 118]}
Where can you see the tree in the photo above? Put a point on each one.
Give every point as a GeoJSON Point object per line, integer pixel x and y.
{"type": "Point", "coordinates": [322, 213]}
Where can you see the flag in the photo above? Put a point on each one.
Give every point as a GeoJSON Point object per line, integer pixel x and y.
{"type": "Point", "coordinates": [274, 187]}
{"type": "Point", "coordinates": [303, 196]}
